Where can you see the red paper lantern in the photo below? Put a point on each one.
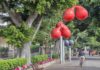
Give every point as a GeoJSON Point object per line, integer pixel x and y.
{"type": "Point", "coordinates": [69, 14]}
{"type": "Point", "coordinates": [64, 27]}
{"type": "Point", "coordinates": [81, 13]}
{"type": "Point", "coordinates": [56, 33]}
{"type": "Point", "coordinates": [59, 24]}
{"type": "Point", "coordinates": [66, 32]}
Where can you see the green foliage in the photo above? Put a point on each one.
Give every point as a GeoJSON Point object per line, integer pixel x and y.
{"type": "Point", "coordinates": [92, 41]}
{"type": "Point", "coordinates": [17, 35]}
{"type": "Point", "coordinates": [55, 56]}
{"type": "Point", "coordinates": [86, 33]}
{"type": "Point", "coordinates": [89, 37]}
{"type": "Point", "coordinates": [10, 64]}
{"type": "Point", "coordinates": [90, 2]}
{"type": "Point", "coordinates": [43, 36]}
{"type": "Point", "coordinates": [27, 32]}
{"type": "Point", "coordinates": [39, 58]}
{"type": "Point", "coordinates": [39, 6]}
{"type": "Point", "coordinates": [33, 47]}
{"type": "Point", "coordinates": [45, 7]}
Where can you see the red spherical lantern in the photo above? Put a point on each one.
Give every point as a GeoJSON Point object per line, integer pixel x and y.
{"type": "Point", "coordinates": [56, 33]}
{"type": "Point", "coordinates": [81, 13]}
{"type": "Point", "coordinates": [66, 32]}
{"type": "Point", "coordinates": [69, 14]}
{"type": "Point", "coordinates": [59, 24]}
{"type": "Point", "coordinates": [64, 27]}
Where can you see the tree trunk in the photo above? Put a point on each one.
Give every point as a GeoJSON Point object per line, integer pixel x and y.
{"type": "Point", "coordinates": [26, 53]}
{"type": "Point", "coordinates": [18, 54]}
{"type": "Point", "coordinates": [57, 47]}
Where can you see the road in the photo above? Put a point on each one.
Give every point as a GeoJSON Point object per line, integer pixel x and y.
{"type": "Point", "coordinates": [92, 63]}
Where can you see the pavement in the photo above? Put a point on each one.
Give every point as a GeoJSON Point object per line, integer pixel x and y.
{"type": "Point", "coordinates": [95, 57]}
{"type": "Point", "coordinates": [91, 63]}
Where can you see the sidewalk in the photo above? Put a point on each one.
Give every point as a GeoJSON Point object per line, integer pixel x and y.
{"type": "Point", "coordinates": [74, 65]}
{"type": "Point", "coordinates": [95, 57]}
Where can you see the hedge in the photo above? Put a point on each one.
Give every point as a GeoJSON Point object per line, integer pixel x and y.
{"type": "Point", "coordinates": [10, 64]}
{"type": "Point", "coordinates": [39, 58]}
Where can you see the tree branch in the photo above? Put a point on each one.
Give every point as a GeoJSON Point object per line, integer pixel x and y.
{"type": "Point", "coordinates": [15, 17]}
{"type": "Point", "coordinates": [38, 27]}
{"type": "Point", "coordinates": [31, 19]}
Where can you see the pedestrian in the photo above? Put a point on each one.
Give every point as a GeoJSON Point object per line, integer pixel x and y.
{"type": "Point", "coordinates": [81, 56]}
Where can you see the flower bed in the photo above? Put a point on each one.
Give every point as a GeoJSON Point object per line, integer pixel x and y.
{"type": "Point", "coordinates": [38, 61]}
{"type": "Point", "coordinates": [45, 61]}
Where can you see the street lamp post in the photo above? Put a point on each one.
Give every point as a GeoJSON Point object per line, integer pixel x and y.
{"type": "Point", "coordinates": [62, 50]}
{"type": "Point", "coordinates": [69, 44]}
{"type": "Point", "coordinates": [70, 54]}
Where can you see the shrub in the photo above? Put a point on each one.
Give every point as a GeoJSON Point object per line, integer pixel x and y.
{"type": "Point", "coordinates": [39, 58]}
{"type": "Point", "coordinates": [55, 56]}
{"type": "Point", "coordinates": [9, 64]}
